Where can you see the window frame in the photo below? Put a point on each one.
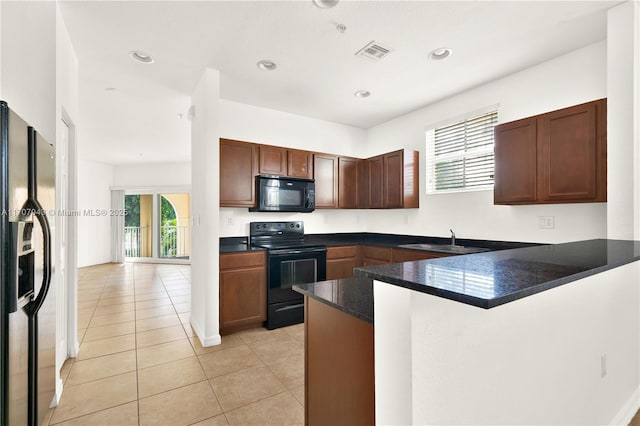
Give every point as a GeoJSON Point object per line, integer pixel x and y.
{"type": "Point", "coordinates": [430, 157]}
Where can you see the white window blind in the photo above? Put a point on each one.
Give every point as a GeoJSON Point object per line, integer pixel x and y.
{"type": "Point", "coordinates": [460, 155]}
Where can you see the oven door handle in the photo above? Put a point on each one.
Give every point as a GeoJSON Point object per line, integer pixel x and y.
{"type": "Point", "coordinates": [287, 308]}
{"type": "Point", "coordinates": [301, 251]}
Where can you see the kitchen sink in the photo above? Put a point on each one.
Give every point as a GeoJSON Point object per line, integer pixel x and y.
{"type": "Point", "coordinates": [445, 248]}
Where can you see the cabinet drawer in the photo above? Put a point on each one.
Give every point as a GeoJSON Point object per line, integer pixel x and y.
{"type": "Point", "coordinates": [241, 260]}
{"type": "Point", "coordinates": [342, 252]}
{"type": "Point", "coordinates": [378, 253]}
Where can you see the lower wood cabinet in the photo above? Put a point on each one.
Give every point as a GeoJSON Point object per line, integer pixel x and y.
{"type": "Point", "coordinates": [374, 255]}
{"type": "Point", "coordinates": [342, 260]}
{"type": "Point", "coordinates": [243, 291]}
{"type": "Point", "coordinates": [339, 367]}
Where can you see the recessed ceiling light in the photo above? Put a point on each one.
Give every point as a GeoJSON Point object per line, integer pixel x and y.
{"type": "Point", "coordinates": [140, 56]}
{"type": "Point", "coordinates": [362, 94]}
{"type": "Point", "coordinates": [267, 65]}
{"type": "Point", "coordinates": [440, 53]}
{"type": "Point", "coordinates": [325, 4]}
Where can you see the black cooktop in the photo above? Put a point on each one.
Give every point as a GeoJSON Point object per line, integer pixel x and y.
{"type": "Point", "coordinates": [279, 236]}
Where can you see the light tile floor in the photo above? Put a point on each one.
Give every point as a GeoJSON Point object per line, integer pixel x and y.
{"type": "Point", "coordinates": [141, 364]}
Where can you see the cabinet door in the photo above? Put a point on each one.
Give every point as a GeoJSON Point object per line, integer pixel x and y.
{"type": "Point", "coordinates": [363, 184]}
{"type": "Point", "coordinates": [392, 177]}
{"type": "Point", "coordinates": [515, 162]}
{"type": "Point", "coordinates": [341, 261]}
{"type": "Point", "coordinates": [238, 167]}
{"type": "Point", "coordinates": [242, 296]}
{"type": "Point", "coordinates": [372, 255]}
{"type": "Point", "coordinates": [300, 163]}
{"type": "Point", "coordinates": [348, 183]}
{"type": "Point", "coordinates": [375, 166]}
{"type": "Point", "coordinates": [567, 151]}
{"type": "Point", "coordinates": [273, 160]}
{"type": "Point", "coordinates": [340, 268]}
{"type": "Point", "coordinates": [325, 170]}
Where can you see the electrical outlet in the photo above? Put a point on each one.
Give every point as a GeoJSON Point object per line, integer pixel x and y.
{"type": "Point", "coordinates": [229, 221]}
{"type": "Point", "coordinates": [603, 366]}
{"type": "Point", "coordinates": [546, 222]}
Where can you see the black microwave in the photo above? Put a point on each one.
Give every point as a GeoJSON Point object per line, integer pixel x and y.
{"type": "Point", "coordinates": [284, 194]}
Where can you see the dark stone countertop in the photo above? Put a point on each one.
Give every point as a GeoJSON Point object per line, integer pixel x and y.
{"type": "Point", "coordinates": [239, 244]}
{"type": "Point", "coordinates": [353, 296]}
{"type": "Point", "coordinates": [491, 279]}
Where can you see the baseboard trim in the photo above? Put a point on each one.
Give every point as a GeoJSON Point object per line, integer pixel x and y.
{"type": "Point", "coordinates": [205, 340]}
{"type": "Point", "coordinates": [56, 397]}
{"type": "Point", "coordinates": [628, 410]}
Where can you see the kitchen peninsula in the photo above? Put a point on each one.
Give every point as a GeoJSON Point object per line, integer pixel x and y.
{"type": "Point", "coordinates": [513, 337]}
{"type": "Point", "coordinates": [556, 342]}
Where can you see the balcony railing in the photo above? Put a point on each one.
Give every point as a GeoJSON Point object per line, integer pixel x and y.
{"type": "Point", "coordinates": [135, 241]}
{"type": "Point", "coordinates": [174, 241]}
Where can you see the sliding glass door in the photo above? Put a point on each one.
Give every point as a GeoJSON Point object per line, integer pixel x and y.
{"type": "Point", "coordinates": [157, 226]}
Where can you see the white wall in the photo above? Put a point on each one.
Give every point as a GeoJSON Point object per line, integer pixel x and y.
{"type": "Point", "coordinates": [270, 127]}
{"type": "Point", "coordinates": [577, 77]}
{"type": "Point", "coordinates": [94, 232]}
{"type": "Point", "coordinates": [536, 360]}
{"type": "Point", "coordinates": [152, 175]}
{"type": "Point", "coordinates": [28, 63]}
{"type": "Point", "coordinates": [205, 204]}
{"type": "Point", "coordinates": [621, 116]}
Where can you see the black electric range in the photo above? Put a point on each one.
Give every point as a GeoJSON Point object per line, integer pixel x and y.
{"type": "Point", "coordinates": [290, 261]}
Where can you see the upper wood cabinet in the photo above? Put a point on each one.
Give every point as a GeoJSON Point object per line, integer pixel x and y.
{"type": "Point", "coordinates": [557, 157]}
{"type": "Point", "coordinates": [515, 162]}
{"type": "Point", "coordinates": [348, 182]}
{"type": "Point", "coordinates": [238, 167]}
{"type": "Point", "coordinates": [273, 160]}
{"type": "Point", "coordinates": [375, 184]}
{"type": "Point", "coordinates": [325, 170]}
{"type": "Point", "coordinates": [279, 161]}
{"type": "Point", "coordinates": [299, 163]}
{"type": "Point", "coordinates": [393, 180]}
{"type": "Point", "coordinates": [385, 181]}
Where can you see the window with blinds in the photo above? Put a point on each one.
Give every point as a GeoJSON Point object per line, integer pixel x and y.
{"type": "Point", "coordinates": [460, 155]}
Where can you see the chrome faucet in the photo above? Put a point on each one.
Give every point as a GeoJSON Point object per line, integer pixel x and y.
{"type": "Point", "coordinates": [453, 237]}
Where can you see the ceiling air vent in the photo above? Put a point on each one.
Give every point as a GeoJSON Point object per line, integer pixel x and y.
{"type": "Point", "coordinates": [374, 51]}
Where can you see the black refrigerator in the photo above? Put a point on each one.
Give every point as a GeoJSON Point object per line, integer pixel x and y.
{"type": "Point", "coordinates": [27, 305]}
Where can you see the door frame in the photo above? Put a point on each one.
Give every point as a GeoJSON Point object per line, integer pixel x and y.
{"type": "Point", "coordinates": [156, 191]}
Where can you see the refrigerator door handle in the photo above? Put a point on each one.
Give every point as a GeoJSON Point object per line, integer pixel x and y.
{"type": "Point", "coordinates": [35, 306]}
{"type": "Point", "coordinates": [36, 209]}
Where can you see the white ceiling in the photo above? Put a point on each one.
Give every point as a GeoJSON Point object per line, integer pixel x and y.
{"type": "Point", "coordinates": [318, 71]}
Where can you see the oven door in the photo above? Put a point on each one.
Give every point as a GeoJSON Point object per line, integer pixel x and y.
{"type": "Point", "coordinates": [288, 267]}
{"type": "Point", "coordinates": [285, 268]}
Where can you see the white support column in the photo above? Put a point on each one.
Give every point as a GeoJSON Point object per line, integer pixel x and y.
{"type": "Point", "coordinates": [636, 115]}
{"type": "Point", "coordinates": [205, 202]}
{"type": "Point", "coordinates": [622, 208]}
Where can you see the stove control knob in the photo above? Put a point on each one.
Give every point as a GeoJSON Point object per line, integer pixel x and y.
{"type": "Point", "coordinates": [298, 225]}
